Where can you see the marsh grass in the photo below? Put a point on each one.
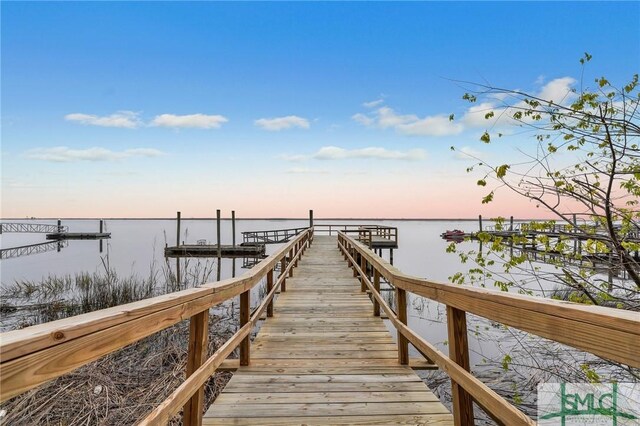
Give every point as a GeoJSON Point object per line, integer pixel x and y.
{"type": "Point", "coordinates": [122, 387]}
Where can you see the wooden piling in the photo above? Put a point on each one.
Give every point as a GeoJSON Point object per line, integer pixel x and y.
{"type": "Point", "coordinates": [218, 233]}
{"type": "Point", "coordinates": [233, 227]}
{"type": "Point", "coordinates": [178, 220]}
{"type": "Point", "coordinates": [480, 222]}
{"type": "Point", "coordinates": [310, 218]}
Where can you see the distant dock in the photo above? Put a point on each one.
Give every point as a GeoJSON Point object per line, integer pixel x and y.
{"type": "Point", "coordinates": [211, 250]}
{"type": "Point", "coordinates": [78, 236]}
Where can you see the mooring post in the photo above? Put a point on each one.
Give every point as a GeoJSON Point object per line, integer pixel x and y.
{"type": "Point", "coordinates": [480, 222]}
{"type": "Point", "coordinates": [233, 228]}
{"type": "Point", "coordinates": [511, 223]}
{"type": "Point", "coordinates": [59, 225]}
{"type": "Point", "coordinates": [218, 233]}
{"type": "Point", "coordinates": [101, 228]}
{"type": "Point", "coordinates": [178, 220]}
{"type": "Point", "coordinates": [391, 256]}
{"type": "Point", "coordinates": [459, 353]}
{"type": "Point", "coordinates": [310, 218]}
{"type": "Point", "coordinates": [178, 228]}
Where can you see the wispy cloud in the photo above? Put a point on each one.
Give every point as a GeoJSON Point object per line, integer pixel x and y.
{"type": "Point", "coordinates": [337, 153]}
{"type": "Point", "coordinates": [558, 90]}
{"type": "Point", "coordinates": [372, 104]}
{"type": "Point", "coordinates": [197, 121]}
{"type": "Point", "coordinates": [125, 119]}
{"type": "Point", "coordinates": [410, 124]}
{"type": "Point", "coordinates": [63, 154]}
{"type": "Point", "coordinates": [281, 123]}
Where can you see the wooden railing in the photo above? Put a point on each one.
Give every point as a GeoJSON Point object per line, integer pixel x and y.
{"type": "Point", "coordinates": [365, 232]}
{"type": "Point", "coordinates": [609, 333]}
{"type": "Point", "coordinates": [37, 354]}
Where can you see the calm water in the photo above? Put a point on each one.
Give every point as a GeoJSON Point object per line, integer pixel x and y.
{"type": "Point", "coordinates": [136, 247]}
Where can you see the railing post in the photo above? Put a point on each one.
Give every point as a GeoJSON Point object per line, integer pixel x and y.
{"type": "Point", "coordinates": [290, 260]}
{"type": "Point", "coordinates": [355, 258]}
{"type": "Point", "coordinates": [198, 338]}
{"type": "Point", "coordinates": [403, 343]}
{"type": "Point", "coordinates": [459, 352]}
{"type": "Point", "coordinates": [363, 276]}
{"type": "Point", "coordinates": [283, 266]}
{"type": "Point", "coordinates": [269, 287]}
{"type": "Point", "coordinates": [376, 286]}
{"type": "Point", "coordinates": [245, 312]}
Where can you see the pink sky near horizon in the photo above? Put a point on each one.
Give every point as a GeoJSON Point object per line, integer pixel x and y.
{"type": "Point", "coordinates": [401, 199]}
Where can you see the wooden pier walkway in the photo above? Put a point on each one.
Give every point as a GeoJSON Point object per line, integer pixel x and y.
{"type": "Point", "coordinates": [323, 358]}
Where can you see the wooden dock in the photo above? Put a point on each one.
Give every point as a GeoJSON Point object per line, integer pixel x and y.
{"type": "Point", "coordinates": [324, 355]}
{"type": "Point", "coordinates": [324, 358]}
{"type": "Point", "coordinates": [211, 250]}
{"type": "Point", "coordinates": [78, 235]}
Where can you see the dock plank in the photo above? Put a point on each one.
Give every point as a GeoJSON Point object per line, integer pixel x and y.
{"type": "Point", "coordinates": [323, 358]}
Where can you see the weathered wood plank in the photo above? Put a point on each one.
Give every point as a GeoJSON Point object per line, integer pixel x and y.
{"type": "Point", "coordinates": [324, 357]}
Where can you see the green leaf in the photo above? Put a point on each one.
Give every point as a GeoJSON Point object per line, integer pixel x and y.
{"type": "Point", "coordinates": [489, 115]}
{"type": "Point", "coordinates": [451, 117]}
{"type": "Point", "coordinates": [487, 198]}
{"type": "Point", "coordinates": [482, 182]}
{"type": "Point", "coordinates": [485, 137]}
{"type": "Point", "coordinates": [502, 170]}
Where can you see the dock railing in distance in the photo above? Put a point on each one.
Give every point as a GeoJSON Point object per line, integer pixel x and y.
{"type": "Point", "coordinates": [37, 354]}
{"type": "Point", "coordinates": [606, 332]}
{"type": "Point", "coordinates": [381, 231]}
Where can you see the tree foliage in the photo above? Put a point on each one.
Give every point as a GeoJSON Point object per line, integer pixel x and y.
{"type": "Point", "coordinates": [583, 162]}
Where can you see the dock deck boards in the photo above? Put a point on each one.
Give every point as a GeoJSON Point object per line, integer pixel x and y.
{"type": "Point", "coordinates": [325, 359]}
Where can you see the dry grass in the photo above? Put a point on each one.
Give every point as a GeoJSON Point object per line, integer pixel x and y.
{"type": "Point", "coordinates": [120, 388]}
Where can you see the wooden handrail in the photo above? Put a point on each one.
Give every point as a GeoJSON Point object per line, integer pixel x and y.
{"type": "Point", "coordinates": [37, 354]}
{"type": "Point", "coordinates": [610, 333]}
{"type": "Point", "coordinates": [161, 414]}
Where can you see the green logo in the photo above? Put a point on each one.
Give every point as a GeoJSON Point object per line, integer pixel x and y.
{"type": "Point", "coordinates": [584, 403]}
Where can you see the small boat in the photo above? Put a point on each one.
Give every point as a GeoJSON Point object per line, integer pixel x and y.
{"type": "Point", "coordinates": [455, 234]}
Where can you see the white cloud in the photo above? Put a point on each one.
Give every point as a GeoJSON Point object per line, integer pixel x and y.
{"type": "Point", "coordinates": [362, 119]}
{"type": "Point", "coordinates": [558, 90]}
{"type": "Point", "coordinates": [437, 125]}
{"type": "Point", "coordinates": [199, 121]}
{"type": "Point", "coordinates": [281, 123]}
{"type": "Point", "coordinates": [336, 153]}
{"type": "Point", "coordinates": [410, 124]}
{"type": "Point", "coordinates": [306, 171]}
{"type": "Point", "coordinates": [63, 154]}
{"type": "Point", "coordinates": [372, 104]}
{"type": "Point", "coordinates": [125, 119]}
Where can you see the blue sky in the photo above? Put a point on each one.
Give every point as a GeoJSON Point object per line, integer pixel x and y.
{"type": "Point", "coordinates": [141, 109]}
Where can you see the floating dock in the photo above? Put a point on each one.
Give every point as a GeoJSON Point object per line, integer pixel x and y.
{"type": "Point", "coordinates": [78, 235]}
{"type": "Point", "coordinates": [211, 250]}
